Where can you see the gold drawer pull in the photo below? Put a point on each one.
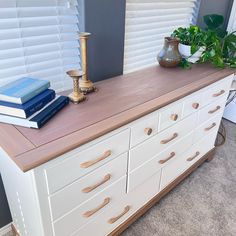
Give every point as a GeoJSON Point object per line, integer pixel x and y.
{"type": "Point", "coordinates": [195, 105]}
{"type": "Point", "coordinates": [165, 141]}
{"type": "Point", "coordinates": [214, 110]}
{"type": "Point", "coordinates": [168, 158]}
{"type": "Point", "coordinates": [114, 219]}
{"type": "Point", "coordinates": [210, 127]}
{"type": "Point", "coordinates": [93, 162]}
{"type": "Point", "coordinates": [174, 117]}
{"type": "Point", "coordinates": [91, 188]}
{"type": "Point", "coordinates": [196, 155]}
{"type": "Point", "coordinates": [218, 94]}
{"type": "Point", "coordinates": [91, 212]}
{"type": "Point", "coordinates": [148, 131]}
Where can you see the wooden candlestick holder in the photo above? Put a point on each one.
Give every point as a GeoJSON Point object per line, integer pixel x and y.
{"type": "Point", "coordinates": [86, 86]}
{"type": "Point", "coordinates": [76, 96]}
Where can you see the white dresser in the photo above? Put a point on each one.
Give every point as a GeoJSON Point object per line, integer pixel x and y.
{"type": "Point", "coordinates": [104, 185]}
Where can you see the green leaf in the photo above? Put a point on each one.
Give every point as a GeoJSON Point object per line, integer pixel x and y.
{"type": "Point", "coordinates": [194, 48]}
{"type": "Point", "coordinates": [213, 21]}
{"type": "Point", "coordinates": [185, 64]}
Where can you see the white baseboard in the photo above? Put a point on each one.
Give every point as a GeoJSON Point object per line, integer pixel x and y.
{"type": "Point", "coordinates": [5, 229]}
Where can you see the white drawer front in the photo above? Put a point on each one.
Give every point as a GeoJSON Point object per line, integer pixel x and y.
{"type": "Point", "coordinates": [174, 169]}
{"type": "Point", "coordinates": [83, 162]}
{"type": "Point", "coordinates": [211, 110]}
{"type": "Point", "coordinates": [87, 186]}
{"type": "Point", "coordinates": [112, 218]}
{"type": "Point", "coordinates": [144, 128]}
{"type": "Point", "coordinates": [170, 114]}
{"type": "Point", "coordinates": [149, 168]}
{"type": "Point", "coordinates": [193, 103]}
{"type": "Point", "coordinates": [82, 214]}
{"type": "Point", "coordinates": [218, 89]}
{"type": "Point", "coordinates": [161, 141]}
{"type": "Point", "coordinates": [207, 127]}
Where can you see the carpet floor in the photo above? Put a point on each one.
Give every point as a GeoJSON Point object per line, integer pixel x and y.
{"type": "Point", "coordinates": [204, 204]}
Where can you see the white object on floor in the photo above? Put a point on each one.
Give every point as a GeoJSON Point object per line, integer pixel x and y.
{"type": "Point", "coordinates": [6, 229]}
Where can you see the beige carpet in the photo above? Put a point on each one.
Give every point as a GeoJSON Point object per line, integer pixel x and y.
{"type": "Point", "coordinates": [202, 205]}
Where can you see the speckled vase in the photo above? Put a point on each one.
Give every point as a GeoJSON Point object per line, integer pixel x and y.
{"type": "Point", "coordinates": [169, 56]}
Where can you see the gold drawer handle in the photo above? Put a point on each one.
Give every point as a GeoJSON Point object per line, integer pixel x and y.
{"type": "Point", "coordinates": [168, 158]}
{"type": "Point", "coordinates": [210, 127]}
{"type": "Point", "coordinates": [214, 110]}
{"type": "Point", "coordinates": [165, 141]}
{"type": "Point", "coordinates": [195, 105]}
{"type": "Point", "coordinates": [93, 162]}
{"type": "Point", "coordinates": [91, 188]}
{"type": "Point", "coordinates": [114, 219]}
{"type": "Point", "coordinates": [196, 155]}
{"type": "Point", "coordinates": [91, 212]}
{"type": "Point", "coordinates": [218, 94]}
{"type": "Point", "coordinates": [148, 131]}
{"type": "Point", "coordinates": [174, 117]}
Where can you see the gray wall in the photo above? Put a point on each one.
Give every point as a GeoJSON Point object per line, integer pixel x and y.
{"type": "Point", "coordinates": [5, 216]}
{"type": "Point", "coordinates": [222, 7]}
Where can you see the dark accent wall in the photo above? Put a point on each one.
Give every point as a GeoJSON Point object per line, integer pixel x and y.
{"type": "Point", "coordinates": [222, 7]}
{"type": "Point", "coordinates": [5, 216]}
{"type": "Point", "coordinates": [105, 20]}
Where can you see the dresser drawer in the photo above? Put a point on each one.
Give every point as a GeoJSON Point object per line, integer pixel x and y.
{"type": "Point", "coordinates": [144, 128]}
{"type": "Point", "coordinates": [80, 163]}
{"type": "Point", "coordinates": [218, 89]}
{"type": "Point", "coordinates": [153, 146]}
{"type": "Point", "coordinates": [151, 167]}
{"type": "Point", "coordinates": [211, 110]}
{"type": "Point", "coordinates": [207, 127]}
{"type": "Point", "coordinates": [127, 206]}
{"type": "Point", "coordinates": [90, 209]}
{"type": "Point", "coordinates": [193, 103]}
{"type": "Point", "coordinates": [174, 169]}
{"type": "Point", "coordinates": [87, 186]}
{"type": "Point", "coordinates": [170, 115]}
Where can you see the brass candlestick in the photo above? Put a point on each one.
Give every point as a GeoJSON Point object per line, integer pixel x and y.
{"type": "Point", "coordinates": [76, 96]}
{"type": "Point", "coordinates": [86, 86]}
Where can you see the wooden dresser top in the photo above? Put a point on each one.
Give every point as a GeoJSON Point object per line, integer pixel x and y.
{"type": "Point", "coordinates": [118, 101]}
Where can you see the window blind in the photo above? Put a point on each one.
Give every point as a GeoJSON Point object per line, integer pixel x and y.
{"type": "Point", "coordinates": [232, 19]}
{"type": "Point", "coordinates": [147, 23]}
{"type": "Point", "coordinates": [39, 39]}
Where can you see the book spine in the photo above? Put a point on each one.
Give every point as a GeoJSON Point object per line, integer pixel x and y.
{"type": "Point", "coordinates": [34, 93]}
{"type": "Point", "coordinates": [56, 109]}
{"type": "Point", "coordinates": [38, 106]}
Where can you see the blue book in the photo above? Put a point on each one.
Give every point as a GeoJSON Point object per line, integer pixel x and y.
{"type": "Point", "coordinates": [22, 90]}
{"type": "Point", "coordinates": [41, 117]}
{"type": "Point", "coordinates": [29, 108]}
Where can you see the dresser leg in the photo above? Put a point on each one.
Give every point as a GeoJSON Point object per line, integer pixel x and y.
{"type": "Point", "coordinates": [210, 156]}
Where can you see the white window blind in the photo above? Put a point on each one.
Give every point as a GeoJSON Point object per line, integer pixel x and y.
{"type": "Point", "coordinates": [147, 23]}
{"type": "Point", "coordinates": [39, 39]}
{"type": "Point", "coordinates": [232, 19]}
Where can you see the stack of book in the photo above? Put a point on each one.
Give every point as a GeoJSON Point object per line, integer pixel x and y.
{"type": "Point", "coordinates": [29, 102]}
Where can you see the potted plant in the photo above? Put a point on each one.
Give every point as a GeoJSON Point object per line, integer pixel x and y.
{"type": "Point", "coordinates": [192, 42]}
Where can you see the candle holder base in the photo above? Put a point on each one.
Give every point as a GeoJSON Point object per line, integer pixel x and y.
{"type": "Point", "coordinates": [86, 86]}
{"type": "Point", "coordinates": [76, 98]}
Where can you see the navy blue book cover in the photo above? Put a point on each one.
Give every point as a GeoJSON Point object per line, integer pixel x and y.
{"type": "Point", "coordinates": [30, 107]}
{"type": "Point", "coordinates": [42, 118]}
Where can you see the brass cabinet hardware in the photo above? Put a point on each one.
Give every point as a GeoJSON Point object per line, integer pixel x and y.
{"type": "Point", "coordinates": [91, 188]}
{"type": "Point", "coordinates": [172, 154]}
{"type": "Point", "coordinates": [210, 127]}
{"type": "Point", "coordinates": [174, 117]}
{"type": "Point", "coordinates": [91, 212]}
{"type": "Point", "coordinates": [93, 162]}
{"type": "Point", "coordinates": [148, 131]}
{"type": "Point", "coordinates": [114, 219]}
{"type": "Point", "coordinates": [214, 110]}
{"type": "Point", "coordinates": [195, 105]}
{"type": "Point", "coordinates": [165, 141]}
{"type": "Point", "coordinates": [218, 94]}
{"type": "Point", "coordinates": [193, 157]}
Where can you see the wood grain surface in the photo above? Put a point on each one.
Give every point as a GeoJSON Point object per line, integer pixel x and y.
{"type": "Point", "coordinates": [118, 101]}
